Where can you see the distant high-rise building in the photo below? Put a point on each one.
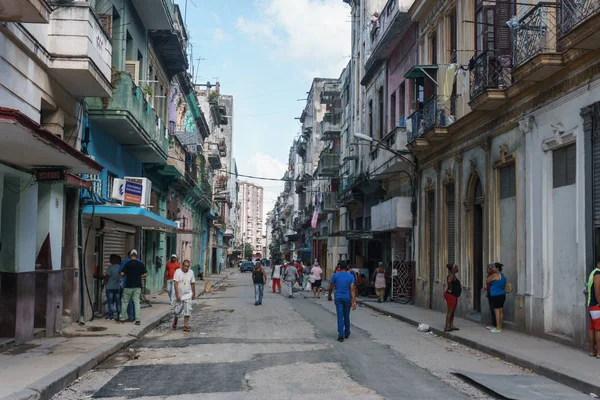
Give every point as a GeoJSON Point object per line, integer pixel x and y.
{"type": "Point", "coordinates": [250, 216]}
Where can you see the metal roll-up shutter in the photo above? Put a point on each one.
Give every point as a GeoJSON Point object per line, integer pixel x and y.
{"type": "Point", "coordinates": [114, 242]}
{"type": "Point", "coordinates": [431, 210]}
{"type": "Point", "coordinates": [451, 216]}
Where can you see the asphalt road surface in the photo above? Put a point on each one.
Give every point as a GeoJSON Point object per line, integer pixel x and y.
{"type": "Point", "coordinates": [285, 349]}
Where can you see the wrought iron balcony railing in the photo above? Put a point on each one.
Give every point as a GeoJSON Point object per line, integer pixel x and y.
{"type": "Point", "coordinates": [489, 71]}
{"type": "Point", "coordinates": [436, 112]}
{"type": "Point", "coordinates": [414, 126]}
{"type": "Point", "coordinates": [574, 12]}
{"type": "Point", "coordinates": [535, 33]}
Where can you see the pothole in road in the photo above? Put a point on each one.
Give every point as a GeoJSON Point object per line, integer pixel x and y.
{"type": "Point", "coordinates": [95, 328]}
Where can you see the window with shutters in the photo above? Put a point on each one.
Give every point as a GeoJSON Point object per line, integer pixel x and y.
{"type": "Point", "coordinates": [453, 36]}
{"type": "Point", "coordinates": [508, 184]}
{"type": "Point", "coordinates": [433, 42]}
{"type": "Point", "coordinates": [450, 222]}
{"type": "Point", "coordinates": [491, 28]}
{"type": "Point", "coordinates": [564, 162]}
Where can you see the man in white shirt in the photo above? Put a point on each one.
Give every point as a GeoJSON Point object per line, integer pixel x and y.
{"type": "Point", "coordinates": [290, 276]}
{"type": "Point", "coordinates": [184, 284]}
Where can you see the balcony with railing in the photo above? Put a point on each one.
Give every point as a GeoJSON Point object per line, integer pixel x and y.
{"type": "Point", "coordinates": [81, 50]}
{"type": "Point", "coordinates": [330, 202]}
{"type": "Point", "coordinates": [222, 146]}
{"type": "Point", "coordinates": [580, 20]}
{"type": "Point", "coordinates": [131, 120]}
{"type": "Point", "coordinates": [535, 44]}
{"type": "Point", "coordinates": [213, 155]}
{"type": "Point", "coordinates": [329, 165]}
{"type": "Point", "coordinates": [33, 11]}
{"type": "Point", "coordinates": [490, 75]}
{"type": "Point", "coordinates": [331, 126]}
{"type": "Point", "coordinates": [155, 14]}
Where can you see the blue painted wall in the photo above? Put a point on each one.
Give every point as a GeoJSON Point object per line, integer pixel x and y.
{"type": "Point", "coordinates": [113, 156]}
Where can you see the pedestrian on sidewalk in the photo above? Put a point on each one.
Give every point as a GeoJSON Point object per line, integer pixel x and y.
{"type": "Point", "coordinates": [317, 276]}
{"type": "Point", "coordinates": [184, 286]}
{"type": "Point", "coordinates": [290, 276]}
{"type": "Point", "coordinates": [488, 285]}
{"type": "Point", "coordinates": [345, 298]}
{"type": "Point", "coordinates": [451, 295]}
{"type": "Point", "coordinates": [276, 276]}
{"type": "Point", "coordinates": [134, 271]}
{"type": "Point", "coordinates": [593, 302]}
{"type": "Point", "coordinates": [300, 270]}
{"type": "Point", "coordinates": [130, 309]}
{"type": "Point", "coordinates": [170, 269]}
{"type": "Point", "coordinates": [379, 282]}
{"type": "Point", "coordinates": [112, 283]}
{"type": "Point", "coordinates": [497, 294]}
{"type": "Point", "coordinates": [259, 278]}
{"type": "Point", "coordinates": [305, 274]}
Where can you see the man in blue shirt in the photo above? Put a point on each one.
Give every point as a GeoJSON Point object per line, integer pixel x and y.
{"type": "Point", "coordinates": [345, 298]}
{"type": "Point", "coordinates": [130, 310]}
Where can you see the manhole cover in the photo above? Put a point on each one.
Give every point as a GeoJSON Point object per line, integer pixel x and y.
{"type": "Point", "coordinates": [95, 328]}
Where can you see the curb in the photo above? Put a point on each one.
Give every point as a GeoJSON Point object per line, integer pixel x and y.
{"type": "Point", "coordinates": [46, 387]}
{"type": "Point", "coordinates": [540, 369]}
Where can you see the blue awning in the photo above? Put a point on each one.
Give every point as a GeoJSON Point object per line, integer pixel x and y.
{"type": "Point", "coordinates": [306, 249]}
{"type": "Point", "coordinates": [135, 216]}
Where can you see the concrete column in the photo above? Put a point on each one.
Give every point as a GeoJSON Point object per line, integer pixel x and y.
{"type": "Point", "coordinates": [26, 227]}
{"type": "Point", "coordinates": [54, 121]}
{"type": "Point", "coordinates": [50, 221]}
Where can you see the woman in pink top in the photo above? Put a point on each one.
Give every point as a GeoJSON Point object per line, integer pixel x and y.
{"type": "Point", "coordinates": [317, 272]}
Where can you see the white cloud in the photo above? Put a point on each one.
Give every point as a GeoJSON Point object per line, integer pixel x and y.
{"type": "Point", "coordinates": [315, 32]}
{"type": "Point", "coordinates": [263, 165]}
{"type": "Point", "coordinates": [219, 36]}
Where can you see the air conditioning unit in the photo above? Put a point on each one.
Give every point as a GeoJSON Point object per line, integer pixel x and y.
{"type": "Point", "coordinates": [133, 68]}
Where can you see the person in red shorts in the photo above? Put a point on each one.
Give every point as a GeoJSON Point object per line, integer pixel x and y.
{"type": "Point", "coordinates": [593, 300]}
{"type": "Point", "coordinates": [451, 295]}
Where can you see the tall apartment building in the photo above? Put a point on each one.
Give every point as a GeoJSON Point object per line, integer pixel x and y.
{"type": "Point", "coordinates": [250, 216]}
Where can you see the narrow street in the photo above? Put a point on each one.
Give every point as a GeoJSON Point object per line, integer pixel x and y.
{"type": "Point", "coordinates": [285, 348]}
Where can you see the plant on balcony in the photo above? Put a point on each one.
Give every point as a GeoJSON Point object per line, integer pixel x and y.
{"type": "Point", "coordinates": [147, 90]}
{"type": "Point", "coordinates": [213, 97]}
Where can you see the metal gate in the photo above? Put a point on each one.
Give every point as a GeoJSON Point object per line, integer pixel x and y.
{"type": "Point", "coordinates": [402, 277]}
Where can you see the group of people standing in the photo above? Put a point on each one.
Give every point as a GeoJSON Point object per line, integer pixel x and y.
{"type": "Point", "coordinates": [296, 272]}
{"type": "Point", "coordinates": [496, 289]}
{"type": "Point", "coordinates": [124, 283]}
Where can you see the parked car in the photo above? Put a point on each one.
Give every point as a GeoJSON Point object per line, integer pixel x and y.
{"type": "Point", "coordinates": [246, 266]}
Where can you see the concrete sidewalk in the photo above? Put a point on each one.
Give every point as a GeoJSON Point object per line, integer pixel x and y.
{"type": "Point", "coordinates": [43, 367]}
{"type": "Point", "coordinates": [563, 364]}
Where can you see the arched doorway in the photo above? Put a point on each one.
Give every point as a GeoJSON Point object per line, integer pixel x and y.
{"type": "Point", "coordinates": [476, 201]}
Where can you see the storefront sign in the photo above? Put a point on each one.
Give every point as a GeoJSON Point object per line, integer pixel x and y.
{"type": "Point", "coordinates": [50, 175]}
{"type": "Point", "coordinates": [132, 192]}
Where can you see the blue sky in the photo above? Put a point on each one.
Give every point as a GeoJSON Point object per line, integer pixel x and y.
{"type": "Point", "coordinates": [265, 53]}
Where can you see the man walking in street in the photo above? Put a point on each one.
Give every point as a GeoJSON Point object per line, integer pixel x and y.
{"type": "Point", "coordinates": [184, 286]}
{"type": "Point", "coordinates": [172, 266]}
{"type": "Point", "coordinates": [130, 312]}
{"type": "Point", "coordinates": [290, 276]}
{"type": "Point", "coordinates": [345, 298]}
{"type": "Point", "coordinates": [134, 271]}
{"type": "Point", "coordinates": [276, 277]}
{"type": "Point", "coordinates": [259, 277]}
